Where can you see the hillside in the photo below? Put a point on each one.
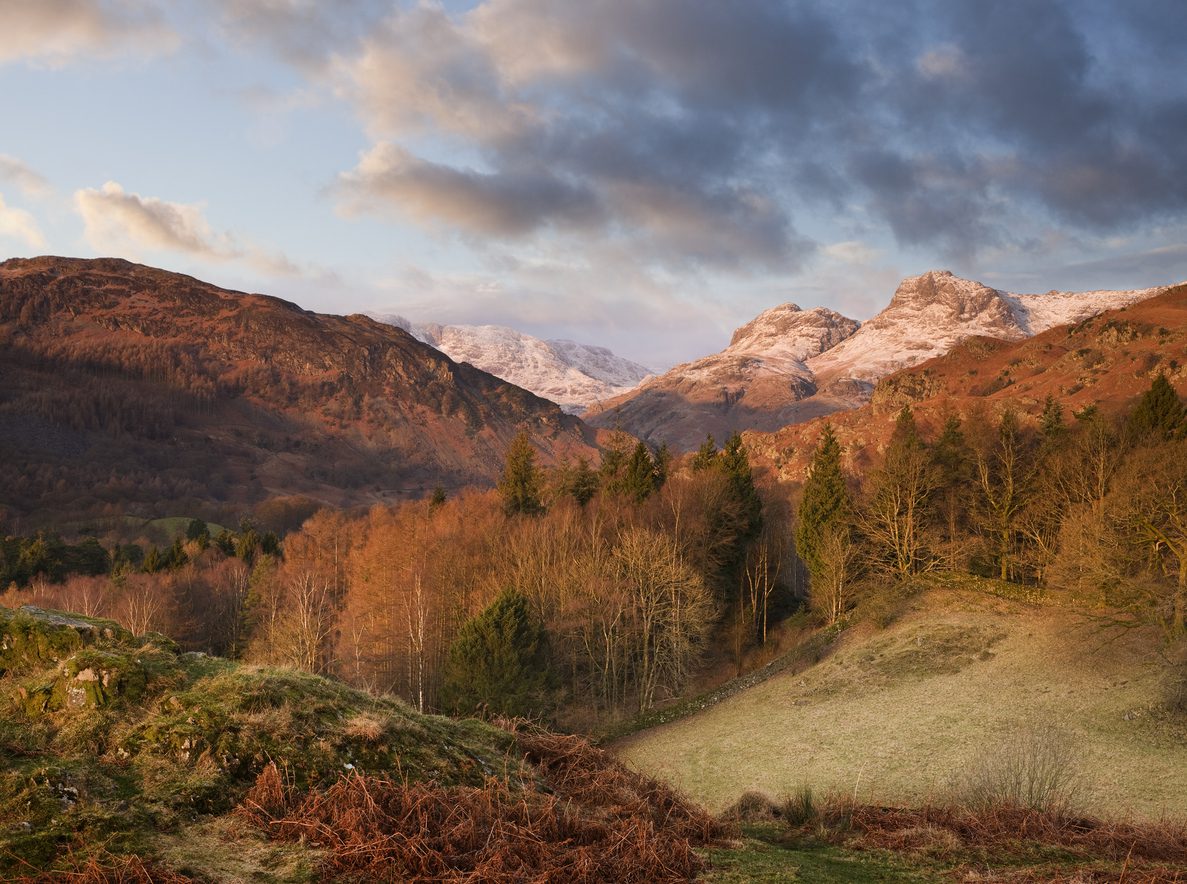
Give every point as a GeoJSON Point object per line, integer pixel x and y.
{"type": "Point", "coordinates": [123, 386]}
{"type": "Point", "coordinates": [575, 376]}
{"type": "Point", "coordinates": [127, 761]}
{"type": "Point", "coordinates": [751, 385]}
{"type": "Point", "coordinates": [896, 715]}
{"type": "Point", "coordinates": [1105, 360]}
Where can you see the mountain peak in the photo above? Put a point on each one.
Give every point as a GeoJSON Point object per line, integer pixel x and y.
{"type": "Point", "coordinates": [791, 332]}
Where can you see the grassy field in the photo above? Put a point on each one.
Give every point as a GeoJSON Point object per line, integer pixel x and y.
{"type": "Point", "coordinates": [897, 715]}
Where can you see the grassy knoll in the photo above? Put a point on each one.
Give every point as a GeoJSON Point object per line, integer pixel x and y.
{"type": "Point", "coordinates": [122, 759]}
{"type": "Point", "coordinates": [897, 715]}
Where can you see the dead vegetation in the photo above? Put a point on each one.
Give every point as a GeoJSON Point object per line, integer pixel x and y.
{"type": "Point", "coordinates": [593, 820]}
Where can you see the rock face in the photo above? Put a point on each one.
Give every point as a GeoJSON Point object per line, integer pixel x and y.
{"type": "Point", "coordinates": [760, 381]}
{"type": "Point", "coordinates": [789, 366]}
{"type": "Point", "coordinates": [575, 376]}
{"type": "Point", "coordinates": [125, 386]}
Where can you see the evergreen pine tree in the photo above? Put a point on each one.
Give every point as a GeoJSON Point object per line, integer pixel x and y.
{"type": "Point", "coordinates": [615, 455]}
{"type": "Point", "coordinates": [826, 505]}
{"type": "Point", "coordinates": [1159, 414]}
{"type": "Point", "coordinates": [954, 462]}
{"type": "Point", "coordinates": [437, 497]}
{"type": "Point", "coordinates": [520, 485]}
{"type": "Point", "coordinates": [639, 476]}
{"type": "Point", "coordinates": [1051, 424]}
{"type": "Point", "coordinates": [735, 464]}
{"type": "Point", "coordinates": [663, 465]}
{"type": "Point", "coordinates": [706, 455]}
{"type": "Point", "coordinates": [582, 482]}
{"type": "Point", "coordinates": [500, 662]}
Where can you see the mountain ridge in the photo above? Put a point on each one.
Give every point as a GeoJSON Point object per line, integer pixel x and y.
{"type": "Point", "coordinates": [124, 385]}
{"type": "Point", "coordinates": [927, 316]}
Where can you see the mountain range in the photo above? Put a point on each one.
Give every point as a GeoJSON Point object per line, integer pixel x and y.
{"type": "Point", "coordinates": [575, 376]}
{"type": "Point", "coordinates": [1104, 360]}
{"type": "Point", "coordinates": [789, 365]}
{"type": "Point", "coordinates": [124, 388]}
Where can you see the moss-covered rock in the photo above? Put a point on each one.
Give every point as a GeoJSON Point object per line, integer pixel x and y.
{"type": "Point", "coordinates": [31, 638]}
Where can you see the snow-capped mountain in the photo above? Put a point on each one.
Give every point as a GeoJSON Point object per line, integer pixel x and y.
{"type": "Point", "coordinates": [790, 365]}
{"type": "Point", "coordinates": [764, 365]}
{"type": "Point", "coordinates": [575, 376]}
{"type": "Point", "coordinates": [931, 313]}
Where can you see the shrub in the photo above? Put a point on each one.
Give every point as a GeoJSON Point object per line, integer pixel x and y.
{"type": "Point", "coordinates": [1034, 768]}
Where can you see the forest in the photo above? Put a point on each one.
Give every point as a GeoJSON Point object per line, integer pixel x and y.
{"type": "Point", "coordinates": [584, 594]}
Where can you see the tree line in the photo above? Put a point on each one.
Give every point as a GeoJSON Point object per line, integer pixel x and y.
{"type": "Point", "coordinates": [1091, 504]}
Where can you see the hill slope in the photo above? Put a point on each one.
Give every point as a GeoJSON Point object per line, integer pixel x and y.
{"type": "Point", "coordinates": [896, 715]}
{"type": "Point", "coordinates": [123, 385]}
{"type": "Point", "coordinates": [118, 751]}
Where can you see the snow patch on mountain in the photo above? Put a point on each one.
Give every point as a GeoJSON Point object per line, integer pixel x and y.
{"type": "Point", "coordinates": [1037, 313]}
{"type": "Point", "coordinates": [933, 312]}
{"type": "Point", "coordinates": [575, 376]}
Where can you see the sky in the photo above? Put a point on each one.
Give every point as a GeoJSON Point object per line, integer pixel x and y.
{"type": "Point", "coordinates": [642, 174]}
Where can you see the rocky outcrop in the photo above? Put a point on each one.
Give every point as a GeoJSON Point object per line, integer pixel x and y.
{"type": "Point", "coordinates": [83, 662]}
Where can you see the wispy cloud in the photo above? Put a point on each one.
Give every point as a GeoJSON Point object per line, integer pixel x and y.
{"type": "Point", "coordinates": [56, 32]}
{"type": "Point", "coordinates": [23, 176]}
{"type": "Point", "coordinates": [115, 219]}
{"type": "Point", "coordinates": [19, 225]}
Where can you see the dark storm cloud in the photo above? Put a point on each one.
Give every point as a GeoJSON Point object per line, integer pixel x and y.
{"type": "Point", "coordinates": [699, 132]}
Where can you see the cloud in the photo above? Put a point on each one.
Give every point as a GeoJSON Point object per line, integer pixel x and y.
{"type": "Point", "coordinates": [502, 204]}
{"type": "Point", "coordinates": [55, 32]}
{"type": "Point", "coordinates": [958, 126]}
{"type": "Point", "coordinates": [18, 224]}
{"type": "Point", "coordinates": [303, 32]}
{"type": "Point", "coordinates": [24, 177]}
{"type": "Point", "coordinates": [641, 124]}
{"type": "Point", "coordinates": [116, 220]}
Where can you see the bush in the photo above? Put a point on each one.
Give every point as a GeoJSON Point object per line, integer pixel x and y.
{"type": "Point", "coordinates": [1034, 769]}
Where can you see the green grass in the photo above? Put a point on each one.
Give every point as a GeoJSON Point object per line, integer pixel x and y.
{"type": "Point", "coordinates": [764, 857]}
{"type": "Point", "coordinates": [112, 740]}
{"type": "Point", "coordinates": [894, 715]}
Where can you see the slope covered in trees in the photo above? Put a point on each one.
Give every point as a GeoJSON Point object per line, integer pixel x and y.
{"type": "Point", "coordinates": [124, 387]}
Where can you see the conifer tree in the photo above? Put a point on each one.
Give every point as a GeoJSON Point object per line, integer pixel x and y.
{"type": "Point", "coordinates": [1051, 425]}
{"type": "Point", "coordinates": [824, 529]}
{"type": "Point", "coordinates": [638, 480]}
{"type": "Point", "coordinates": [500, 662]}
{"type": "Point", "coordinates": [706, 455]}
{"type": "Point", "coordinates": [580, 482]}
{"type": "Point", "coordinates": [520, 485]}
{"type": "Point", "coordinates": [1159, 414]}
{"type": "Point", "coordinates": [735, 464]}
{"type": "Point", "coordinates": [663, 465]}
{"type": "Point", "coordinates": [826, 504]}
{"type": "Point", "coordinates": [615, 454]}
